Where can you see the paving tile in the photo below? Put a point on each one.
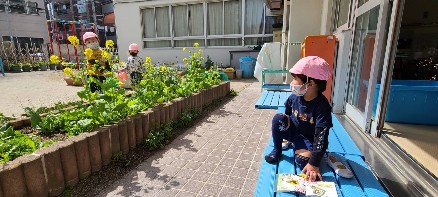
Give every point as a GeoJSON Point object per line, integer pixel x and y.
{"type": "Point", "coordinates": [252, 174]}
{"type": "Point", "coordinates": [185, 173]}
{"type": "Point", "coordinates": [218, 153]}
{"type": "Point", "coordinates": [232, 155]}
{"type": "Point", "coordinates": [193, 165]}
{"type": "Point", "coordinates": [213, 160]}
{"type": "Point", "coordinates": [186, 194]}
{"type": "Point", "coordinates": [225, 170]}
{"type": "Point", "coordinates": [227, 192]}
{"type": "Point", "coordinates": [235, 182]}
{"type": "Point", "coordinates": [242, 164]}
{"type": "Point", "coordinates": [176, 183]}
{"type": "Point", "coordinates": [239, 172]}
{"type": "Point", "coordinates": [200, 158]}
{"type": "Point", "coordinates": [187, 155]}
{"type": "Point", "coordinates": [207, 167]}
{"type": "Point", "coordinates": [201, 176]}
{"type": "Point", "coordinates": [217, 179]}
{"type": "Point", "coordinates": [167, 192]}
{"type": "Point", "coordinates": [211, 190]}
{"type": "Point", "coordinates": [178, 163]}
{"type": "Point", "coordinates": [193, 186]}
{"type": "Point", "coordinates": [249, 185]}
{"type": "Point", "coordinates": [227, 162]}
{"type": "Point", "coordinates": [247, 157]}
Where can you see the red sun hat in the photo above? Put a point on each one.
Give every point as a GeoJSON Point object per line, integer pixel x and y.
{"type": "Point", "coordinates": [312, 66]}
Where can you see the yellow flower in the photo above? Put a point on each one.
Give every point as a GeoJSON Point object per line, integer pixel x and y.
{"type": "Point", "coordinates": [184, 49]}
{"type": "Point", "coordinates": [148, 60]}
{"type": "Point", "coordinates": [185, 59]}
{"type": "Point", "coordinates": [109, 44]}
{"type": "Point", "coordinates": [196, 44]}
{"type": "Point", "coordinates": [68, 72]}
{"type": "Point", "coordinates": [163, 69]}
{"type": "Point", "coordinates": [200, 51]}
{"type": "Point", "coordinates": [106, 55]}
{"type": "Point", "coordinates": [120, 83]}
{"type": "Point", "coordinates": [73, 40]}
{"type": "Point", "coordinates": [88, 53]}
{"type": "Point", "coordinates": [54, 59]}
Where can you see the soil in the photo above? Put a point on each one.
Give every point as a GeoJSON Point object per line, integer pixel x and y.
{"type": "Point", "coordinates": [122, 165]}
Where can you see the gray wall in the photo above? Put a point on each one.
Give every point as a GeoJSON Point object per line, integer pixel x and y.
{"type": "Point", "coordinates": [23, 25]}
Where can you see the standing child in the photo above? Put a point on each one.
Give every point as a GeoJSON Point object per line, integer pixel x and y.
{"type": "Point", "coordinates": [134, 65]}
{"type": "Point", "coordinates": [307, 119]}
{"type": "Point", "coordinates": [97, 65]}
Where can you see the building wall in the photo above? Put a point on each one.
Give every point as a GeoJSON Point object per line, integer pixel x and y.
{"type": "Point", "coordinates": [129, 30]}
{"type": "Point", "coordinates": [23, 25]}
{"type": "Point", "coordinates": [304, 20]}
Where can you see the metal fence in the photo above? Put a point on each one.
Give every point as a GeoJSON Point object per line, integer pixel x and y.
{"type": "Point", "coordinates": [14, 53]}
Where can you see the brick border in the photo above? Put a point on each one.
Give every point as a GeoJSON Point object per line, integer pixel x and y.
{"type": "Point", "coordinates": [49, 170]}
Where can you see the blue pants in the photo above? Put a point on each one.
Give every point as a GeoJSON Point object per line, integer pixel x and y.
{"type": "Point", "coordinates": [280, 131]}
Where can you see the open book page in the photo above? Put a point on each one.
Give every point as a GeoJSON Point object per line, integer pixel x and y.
{"type": "Point", "coordinates": [290, 183]}
{"type": "Point", "coordinates": [321, 189]}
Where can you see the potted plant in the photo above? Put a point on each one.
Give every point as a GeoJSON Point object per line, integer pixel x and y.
{"type": "Point", "coordinates": [16, 68]}
{"type": "Point", "coordinates": [230, 72]}
{"type": "Point", "coordinates": [54, 62]}
{"type": "Point", "coordinates": [68, 76]}
{"type": "Point", "coordinates": [43, 65]}
{"type": "Point", "coordinates": [35, 67]}
{"type": "Point", "coordinates": [73, 78]}
{"type": "Point", "coordinates": [26, 67]}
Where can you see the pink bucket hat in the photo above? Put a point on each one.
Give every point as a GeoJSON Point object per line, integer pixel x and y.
{"type": "Point", "coordinates": [312, 66]}
{"type": "Point", "coordinates": [89, 34]}
{"type": "Point", "coordinates": [133, 47]}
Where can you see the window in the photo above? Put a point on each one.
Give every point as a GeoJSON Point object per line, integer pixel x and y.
{"type": "Point", "coordinates": [340, 10]}
{"type": "Point", "coordinates": [212, 23]}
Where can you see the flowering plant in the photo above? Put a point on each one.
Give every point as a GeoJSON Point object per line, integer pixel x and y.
{"type": "Point", "coordinates": [73, 40]}
{"type": "Point", "coordinates": [54, 59]}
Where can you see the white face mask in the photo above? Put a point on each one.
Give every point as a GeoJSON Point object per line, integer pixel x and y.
{"type": "Point", "coordinates": [296, 89]}
{"type": "Point", "coordinates": [93, 45]}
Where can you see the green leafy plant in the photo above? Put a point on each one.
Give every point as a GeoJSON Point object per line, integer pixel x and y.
{"type": "Point", "coordinates": [232, 93]}
{"type": "Point", "coordinates": [209, 64]}
{"type": "Point", "coordinates": [122, 159]}
{"type": "Point", "coordinates": [15, 144]}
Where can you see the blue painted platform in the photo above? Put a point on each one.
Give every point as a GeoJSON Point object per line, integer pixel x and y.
{"type": "Point", "coordinates": [272, 99]}
{"type": "Point", "coordinates": [364, 183]}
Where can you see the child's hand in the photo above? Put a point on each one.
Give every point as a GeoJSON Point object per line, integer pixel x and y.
{"type": "Point", "coordinates": [312, 173]}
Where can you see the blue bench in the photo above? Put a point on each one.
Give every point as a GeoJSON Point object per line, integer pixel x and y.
{"type": "Point", "coordinates": [272, 99]}
{"type": "Point", "coordinates": [364, 183]}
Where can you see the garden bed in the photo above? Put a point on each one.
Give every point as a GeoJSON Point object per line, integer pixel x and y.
{"type": "Point", "coordinates": [49, 170]}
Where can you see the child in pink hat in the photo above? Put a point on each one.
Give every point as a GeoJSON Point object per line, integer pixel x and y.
{"type": "Point", "coordinates": [91, 41]}
{"type": "Point", "coordinates": [307, 120]}
{"type": "Point", "coordinates": [134, 65]}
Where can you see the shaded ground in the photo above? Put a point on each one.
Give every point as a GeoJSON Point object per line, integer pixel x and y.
{"type": "Point", "coordinates": [220, 155]}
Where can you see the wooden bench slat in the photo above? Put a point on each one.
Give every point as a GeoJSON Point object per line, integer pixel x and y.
{"type": "Point", "coordinates": [275, 99]}
{"type": "Point", "coordinates": [345, 139]}
{"type": "Point", "coordinates": [266, 179]}
{"type": "Point", "coordinates": [370, 185]}
{"type": "Point", "coordinates": [268, 100]}
{"type": "Point", "coordinates": [261, 99]}
{"type": "Point", "coordinates": [349, 187]}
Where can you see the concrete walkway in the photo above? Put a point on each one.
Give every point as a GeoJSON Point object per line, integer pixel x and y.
{"type": "Point", "coordinates": [218, 157]}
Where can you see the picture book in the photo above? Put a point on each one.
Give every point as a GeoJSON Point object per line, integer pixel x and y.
{"type": "Point", "coordinates": [297, 184]}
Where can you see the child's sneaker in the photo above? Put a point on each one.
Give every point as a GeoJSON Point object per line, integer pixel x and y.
{"type": "Point", "coordinates": [273, 157]}
{"type": "Point", "coordinates": [285, 144]}
{"type": "Point", "coordinates": [338, 167]}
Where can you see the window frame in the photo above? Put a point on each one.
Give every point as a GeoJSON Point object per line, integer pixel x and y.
{"type": "Point", "coordinates": [205, 35]}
